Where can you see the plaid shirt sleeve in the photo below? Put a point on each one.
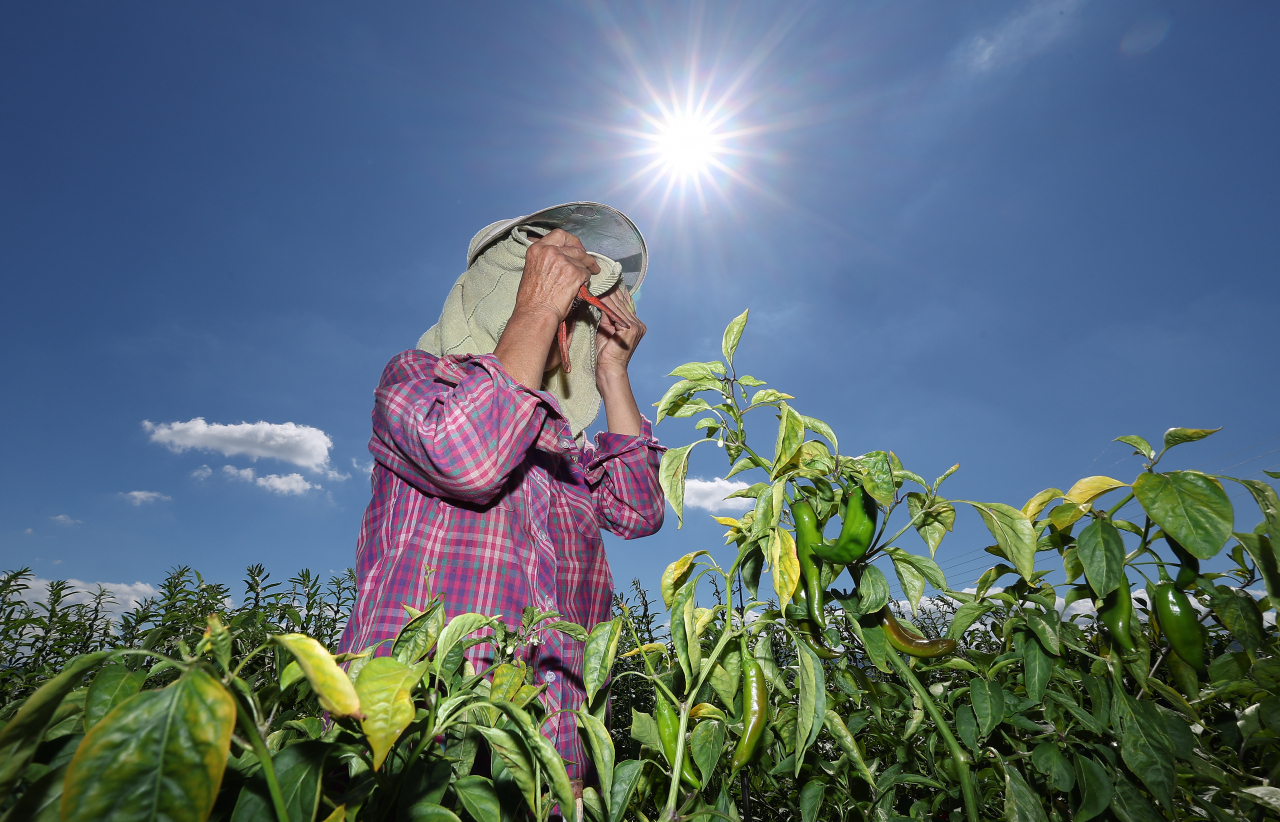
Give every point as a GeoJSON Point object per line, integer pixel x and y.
{"type": "Point", "coordinates": [622, 472]}
{"type": "Point", "coordinates": [454, 427]}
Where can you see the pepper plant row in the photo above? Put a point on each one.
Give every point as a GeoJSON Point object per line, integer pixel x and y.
{"type": "Point", "coordinates": [816, 699]}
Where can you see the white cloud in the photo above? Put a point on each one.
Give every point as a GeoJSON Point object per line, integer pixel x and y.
{"type": "Point", "coordinates": [710, 495]}
{"type": "Point", "coordinates": [141, 497]}
{"type": "Point", "coordinates": [1020, 36]}
{"type": "Point", "coordinates": [63, 519]}
{"type": "Point", "coordinates": [202, 473]}
{"type": "Point", "coordinates": [288, 484]}
{"type": "Point", "coordinates": [29, 531]}
{"type": "Point", "coordinates": [300, 445]}
{"type": "Point", "coordinates": [127, 596]}
{"type": "Point", "coordinates": [232, 472]}
{"type": "Point", "coordinates": [364, 468]}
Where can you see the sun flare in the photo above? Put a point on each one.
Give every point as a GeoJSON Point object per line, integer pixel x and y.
{"type": "Point", "coordinates": [687, 145]}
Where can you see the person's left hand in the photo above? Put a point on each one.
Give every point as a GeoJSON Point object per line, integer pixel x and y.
{"type": "Point", "coordinates": [614, 345]}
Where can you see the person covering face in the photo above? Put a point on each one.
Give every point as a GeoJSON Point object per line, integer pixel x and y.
{"type": "Point", "coordinates": [484, 490]}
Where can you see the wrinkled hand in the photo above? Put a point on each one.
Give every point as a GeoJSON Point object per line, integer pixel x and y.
{"type": "Point", "coordinates": [555, 267]}
{"type": "Point", "coordinates": [614, 345]}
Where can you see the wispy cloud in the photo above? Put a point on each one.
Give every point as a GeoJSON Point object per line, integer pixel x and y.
{"type": "Point", "coordinates": [301, 445]}
{"type": "Point", "coordinates": [710, 495]}
{"type": "Point", "coordinates": [1020, 36]}
{"type": "Point", "coordinates": [286, 485]}
{"type": "Point", "coordinates": [63, 519]}
{"type": "Point", "coordinates": [202, 473]}
{"type": "Point", "coordinates": [144, 497]}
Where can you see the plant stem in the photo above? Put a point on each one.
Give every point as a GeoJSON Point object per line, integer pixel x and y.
{"type": "Point", "coordinates": [264, 757]}
{"type": "Point", "coordinates": [670, 811]}
{"type": "Point", "coordinates": [953, 745]}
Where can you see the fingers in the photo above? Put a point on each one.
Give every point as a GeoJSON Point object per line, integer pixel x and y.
{"type": "Point", "coordinates": [572, 249]}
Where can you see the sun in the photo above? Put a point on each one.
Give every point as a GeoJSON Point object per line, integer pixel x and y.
{"type": "Point", "coordinates": [686, 144]}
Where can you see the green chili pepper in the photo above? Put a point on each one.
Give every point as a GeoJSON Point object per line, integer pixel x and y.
{"type": "Point", "coordinates": [669, 732]}
{"type": "Point", "coordinates": [911, 643]}
{"type": "Point", "coordinates": [807, 536]}
{"type": "Point", "coordinates": [1189, 570]}
{"type": "Point", "coordinates": [1179, 622]}
{"type": "Point", "coordinates": [814, 639]}
{"type": "Point", "coordinates": [856, 532]}
{"type": "Point", "coordinates": [1116, 613]}
{"type": "Point", "coordinates": [755, 710]}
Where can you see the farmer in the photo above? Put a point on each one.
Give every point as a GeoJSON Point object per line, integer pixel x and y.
{"type": "Point", "coordinates": [482, 475]}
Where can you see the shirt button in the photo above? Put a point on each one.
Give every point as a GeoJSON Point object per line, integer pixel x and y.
{"type": "Point", "coordinates": [548, 676]}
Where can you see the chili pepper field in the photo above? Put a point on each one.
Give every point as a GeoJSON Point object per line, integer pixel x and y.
{"type": "Point", "coordinates": [811, 696]}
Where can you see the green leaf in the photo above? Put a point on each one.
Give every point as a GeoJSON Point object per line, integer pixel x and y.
{"type": "Point", "coordinates": [966, 615]}
{"type": "Point", "coordinates": [553, 769]}
{"type": "Point", "coordinates": [40, 801]}
{"type": "Point", "coordinates": [911, 580]}
{"type": "Point", "coordinates": [385, 687]}
{"type": "Point", "coordinates": [1037, 668]}
{"type": "Point", "coordinates": [598, 656]}
{"type": "Point", "coordinates": [1177, 436]}
{"type": "Point", "coordinates": [511, 749]}
{"type": "Point", "coordinates": [677, 401]}
{"type": "Point", "coordinates": [987, 699]}
{"type": "Point", "coordinates": [1238, 612]}
{"type": "Point", "coordinates": [1013, 532]}
{"type": "Point", "coordinates": [790, 437]}
{"type": "Point", "coordinates": [811, 800]}
{"type": "Point", "coordinates": [600, 743]}
{"type": "Point", "coordinates": [1066, 514]}
{"type": "Point", "coordinates": [336, 692]}
{"type": "Point", "coordinates": [1268, 502]}
{"type": "Point", "coordinates": [298, 769]}
{"type": "Point", "coordinates": [671, 476]}
{"type": "Point", "coordinates": [967, 726]}
{"type": "Point", "coordinates": [1021, 803]}
{"type": "Point", "coordinates": [158, 755]}
{"type": "Point", "coordinates": [676, 575]}
{"type": "Point", "coordinates": [820, 428]}
{"type": "Point", "coordinates": [934, 525]}
{"type": "Point", "coordinates": [732, 334]}
{"type": "Point", "coordinates": [570, 629]}
{"type": "Point", "coordinates": [706, 744]}
{"type": "Point", "coordinates": [1045, 627]}
{"type": "Point", "coordinates": [479, 797]}
{"type": "Point", "coordinates": [1049, 760]}
{"type": "Point", "coordinates": [877, 476]}
{"type": "Point", "coordinates": [453, 633]}
{"type": "Point", "coordinates": [19, 738]}
{"type": "Point", "coordinates": [812, 708]}
{"type": "Point", "coordinates": [767, 395]}
{"type": "Point", "coordinates": [1139, 444]}
{"type": "Point", "coordinates": [625, 778]}
{"type": "Point", "coordinates": [1145, 746]}
{"type": "Point", "coordinates": [873, 590]}
{"type": "Point", "coordinates": [1188, 506]}
{"type": "Point", "coordinates": [1090, 488]}
{"type": "Point", "coordinates": [699, 371]}
{"type": "Point", "coordinates": [1264, 795]}
{"type": "Point", "coordinates": [927, 567]}
{"type": "Point", "coordinates": [1095, 789]}
{"type": "Point", "coordinates": [593, 804]}
{"type": "Point", "coordinates": [112, 685]}
{"type": "Point", "coordinates": [645, 731]}
{"type": "Point", "coordinates": [419, 635]}
{"type": "Point", "coordinates": [1129, 805]}
{"type": "Point", "coordinates": [1101, 551]}
{"type": "Point", "coordinates": [1266, 558]}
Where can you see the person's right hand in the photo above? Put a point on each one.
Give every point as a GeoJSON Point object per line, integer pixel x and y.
{"type": "Point", "coordinates": [555, 267]}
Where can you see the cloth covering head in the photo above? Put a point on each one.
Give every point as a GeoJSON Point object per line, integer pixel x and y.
{"type": "Point", "coordinates": [481, 302]}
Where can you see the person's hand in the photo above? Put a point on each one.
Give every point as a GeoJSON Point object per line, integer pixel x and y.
{"type": "Point", "coordinates": [555, 267]}
{"type": "Point", "coordinates": [614, 345]}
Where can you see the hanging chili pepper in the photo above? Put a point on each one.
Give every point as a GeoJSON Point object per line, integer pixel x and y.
{"type": "Point", "coordinates": [1179, 622]}
{"type": "Point", "coordinates": [1189, 570]}
{"type": "Point", "coordinates": [807, 537]}
{"type": "Point", "coordinates": [815, 640]}
{"type": "Point", "coordinates": [755, 709]}
{"type": "Point", "coordinates": [910, 643]}
{"type": "Point", "coordinates": [1116, 612]}
{"type": "Point", "coordinates": [859, 513]}
{"type": "Point", "coordinates": [669, 732]}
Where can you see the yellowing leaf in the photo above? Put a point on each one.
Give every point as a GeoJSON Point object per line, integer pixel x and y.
{"type": "Point", "coordinates": [652, 647]}
{"type": "Point", "coordinates": [728, 522]}
{"type": "Point", "coordinates": [1037, 503]}
{"type": "Point", "coordinates": [786, 567]}
{"type": "Point", "coordinates": [337, 694]}
{"type": "Point", "coordinates": [1065, 515]}
{"type": "Point", "coordinates": [1090, 488]}
{"type": "Point", "coordinates": [676, 575]}
{"type": "Point", "coordinates": [385, 687]}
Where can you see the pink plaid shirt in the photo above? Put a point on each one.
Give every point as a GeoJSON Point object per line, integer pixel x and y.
{"type": "Point", "coordinates": [479, 479]}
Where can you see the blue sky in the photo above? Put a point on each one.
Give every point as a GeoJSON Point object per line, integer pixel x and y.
{"type": "Point", "coordinates": [998, 234]}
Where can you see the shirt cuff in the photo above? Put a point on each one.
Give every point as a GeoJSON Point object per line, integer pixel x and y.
{"type": "Point", "coordinates": [610, 446]}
